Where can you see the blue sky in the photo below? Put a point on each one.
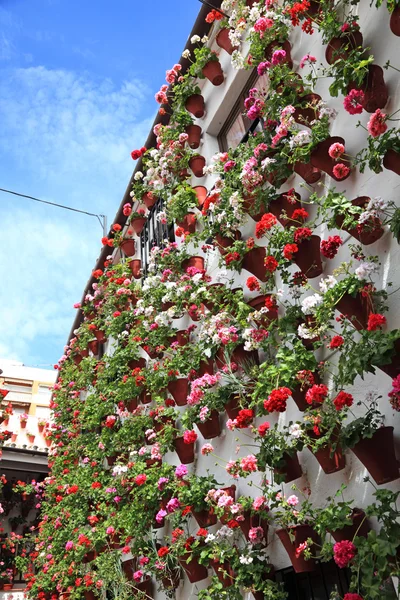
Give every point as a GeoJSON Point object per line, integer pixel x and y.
{"type": "Point", "coordinates": [77, 84]}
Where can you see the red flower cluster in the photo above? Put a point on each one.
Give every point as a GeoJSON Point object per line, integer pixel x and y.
{"type": "Point", "coordinates": [244, 418]}
{"type": "Point", "coordinates": [253, 284]}
{"type": "Point", "coordinates": [135, 154]}
{"type": "Point", "coordinates": [277, 400]}
{"type": "Point", "coordinates": [299, 214]}
{"type": "Point", "coordinates": [289, 250]}
{"type": "Point", "coordinates": [317, 394]}
{"type": "Point", "coordinates": [263, 428]}
{"type": "Point", "coordinates": [302, 233]}
{"type": "Point", "coordinates": [214, 15]}
{"type": "Point", "coordinates": [343, 553]}
{"type": "Point", "coordinates": [231, 257]}
{"type": "Point", "coordinates": [375, 321]}
{"type": "Point", "coordinates": [343, 399]}
{"type": "Point", "coordinates": [267, 221]}
{"type": "Point", "coordinates": [297, 10]}
{"type": "Point", "coordinates": [189, 437]}
{"type": "Point", "coordinates": [140, 479]}
{"type": "Point", "coordinates": [350, 596]}
{"type": "Point", "coordinates": [270, 263]}
{"type": "Point", "coordinates": [330, 246]}
{"type": "Point", "coordinates": [163, 551]}
{"type": "Point", "coordinates": [336, 342]}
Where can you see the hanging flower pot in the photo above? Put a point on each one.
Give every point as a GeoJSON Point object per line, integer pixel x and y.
{"type": "Point", "coordinates": [266, 319]}
{"type": "Point", "coordinates": [282, 205]}
{"type": "Point", "coordinates": [210, 304]}
{"type": "Point", "coordinates": [184, 451]}
{"type": "Point", "coordinates": [391, 161]}
{"type": "Point", "coordinates": [232, 407]}
{"type": "Point", "coordinates": [340, 47]}
{"type": "Point", "coordinates": [308, 172]}
{"type": "Point", "coordinates": [9, 586]}
{"type": "Point", "coordinates": [378, 456]}
{"type": "Point", "coordinates": [201, 193]}
{"type": "Point", "coordinates": [149, 199]}
{"type": "Point", "coordinates": [139, 363]}
{"type": "Point", "coordinates": [223, 242]}
{"type": "Point", "coordinates": [395, 21]}
{"type": "Point", "coordinates": [128, 247]}
{"type": "Point", "coordinates": [210, 428]}
{"type": "Point", "coordinates": [375, 89]}
{"type": "Point", "coordinates": [359, 527]}
{"type": "Point", "coordinates": [356, 309]}
{"type": "Point", "coordinates": [366, 233]}
{"type": "Point", "coordinates": [393, 368]}
{"type": "Point", "coordinates": [331, 462]}
{"type": "Point", "coordinates": [93, 346]}
{"type": "Point", "coordinates": [197, 164]}
{"type": "Point", "coordinates": [145, 586]}
{"type": "Point", "coordinates": [179, 389]}
{"type": "Point", "coordinates": [321, 160]}
{"type": "Point", "coordinates": [301, 533]}
{"type": "Point", "coordinates": [194, 261]}
{"type": "Point", "coordinates": [170, 581]}
{"type": "Point", "coordinates": [213, 72]}
{"type": "Point", "coordinates": [305, 115]}
{"type": "Point", "coordinates": [299, 396]}
{"type": "Point", "coordinates": [145, 398]}
{"type": "Point", "coordinates": [135, 267]}
{"type": "Point", "coordinates": [286, 46]}
{"type": "Point", "coordinates": [308, 257]}
{"type": "Point", "coordinates": [100, 336]}
{"type": "Point", "coordinates": [181, 337]}
{"type": "Point", "coordinates": [193, 569]}
{"type": "Point", "coordinates": [194, 133]}
{"type": "Point", "coordinates": [224, 572]}
{"type": "Point", "coordinates": [131, 404]}
{"type": "Point", "coordinates": [188, 223]}
{"type": "Point", "coordinates": [31, 438]}
{"type": "Point", "coordinates": [89, 595]}
{"type": "Point", "coordinates": [239, 356]}
{"type": "Point", "coordinates": [206, 366]}
{"type": "Point", "coordinates": [292, 469]}
{"type": "Point", "coordinates": [195, 105]}
{"type": "Point", "coordinates": [137, 224]}
{"type": "Point", "coordinates": [251, 521]}
{"type": "Point", "coordinates": [224, 41]}
{"type": "Point", "coordinates": [205, 518]}
{"type": "Point", "coordinates": [253, 262]}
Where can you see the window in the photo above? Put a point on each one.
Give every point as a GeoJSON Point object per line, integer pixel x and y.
{"type": "Point", "coordinates": [237, 124]}
{"type": "Point", "coordinates": [154, 233]}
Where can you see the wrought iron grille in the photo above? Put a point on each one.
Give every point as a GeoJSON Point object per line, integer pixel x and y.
{"type": "Point", "coordinates": [317, 585]}
{"type": "Point", "coordinates": [154, 233]}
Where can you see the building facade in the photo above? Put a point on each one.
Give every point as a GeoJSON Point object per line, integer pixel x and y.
{"type": "Point", "coordinates": [227, 349]}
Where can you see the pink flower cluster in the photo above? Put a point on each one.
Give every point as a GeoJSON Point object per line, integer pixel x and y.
{"type": "Point", "coordinates": [197, 392]}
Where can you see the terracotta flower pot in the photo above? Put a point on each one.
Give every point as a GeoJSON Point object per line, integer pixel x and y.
{"type": "Point", "coordinates": [145, 398]}
{"type": "Point", "coordinates": [14, 437]}
{"type": "Point", "coordinates": [330, 463]}
{"type": "Point", "coordinates": [375, 90]}
{"type": "Point", "coordinates": [391, 161]}
{"type": "Point", "coordinates": [135, 267]}
{"type": "Point", "coordinates": [282, 205]}
{"type": "Point", "coordinates": [258, 303]}
{"type": "Point", "coordinates": [253, 521]}
{"type": "Point", "coordinates": [305, 115]}
{"type": "Point", "coordinates": [129, 567]}
{"type": "Point", "coordinates": [213, 72]}
{"type": "Point", "coordinates": [393, 368]}
{"type": "Point", "coordinates": [292, 469]}
{"type": "Point", "coordinates": [321, 159]}
{"type": "Point", "coordinates": [206, 366]}
{"type": "Point", "coordinates": [22, 424]}
{"type": "Point", "coordinates": [286, 46]}
{"type": "Point", "coordinates": [378, 456]}
{"type": "Point", "coordinates": [395, 21]}
{"type": "Point", "coordinates": [100, 336]}
{"type": "Point", "coordinates": [128, 247]}
{"type": "Point", "coordinates": [372, 230]}
{"type": "Point", "coordinates": [181, 337]}
{"type": "Point", "coordinates": [184, 451]}
{"type": "Point", "coordinates": [139, 363]}
{"type": "Point", "coordinates": [201, 193]}
{"type": "Point", "coordinates": [308, 257]}
{"type": "Point", "coordinates": [205, 518]}
{"type": "Point", "coordinates": [48, 442]}
{"type": "Point", "coordinates": [211, 428]}
{"type": "Point", "coordinates": [359, 527]}
{"type": "Point", "coordinates": [224, 41]}
{"type": "Point", "coordinates": [149, 199]}
{"type": "Point", "coordinates": [340, 47]}
{"type": "Point", "coordinates": [145, 586]}
{"type": "Point", "coordinates": [188, 223]}
{"type": "Point", "coordinates": [224, 572]}
{"type": "Point", "coordinates": [194, 261]}
{"type": "Point", "coordinates": [301, 534]}
{"type": "Point", "coordinates": [194, 133]}
{"type": "Point", "coordinates": [223, 242]}
{"type": "Point", "coordinates": [308, 172]}
{"type": "Point", "coordinates": [239, 356]}
{"type": "Point", "coordinates": [137, 224]}
{"type": "Point", "coordinates": [197, 164]}
{"type": "Point", "coordinates": [93, 346]}
{"type": "Point", "coordinates": [195, 105]}
{"type": "Point", "coordinates": [232, 407]}
{"type": "Point", "coordinates": [356, 309]}
{"type": "Point", "coordinates": [253, 262]}
{"type": "Point", "coordinates": [77, 358]}
{"type": "Point", "coordinates": [131, 404]}
{"type": "Point", "coordinates": [31, 438]}
{"type": "Point", "coordinates": [179, 389]}
{"type": "Point", "coordinates": [195, 571]}
{"type": "Point", "coordinates": [9, 586]}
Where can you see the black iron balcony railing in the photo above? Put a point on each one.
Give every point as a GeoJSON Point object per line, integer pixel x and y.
{"type": "Point", "coordinates": [154, 233]}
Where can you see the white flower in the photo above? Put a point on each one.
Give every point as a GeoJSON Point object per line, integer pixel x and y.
{"type": "Point", "coordinates": [195, 39]}
{"type": "Point", "coordinates": [305, 333]}
{"type": "Point", "coordinates": [300, 139]}
{"type": "Point", "coordinates": [138, 175]}
{"type": "Point", "coordinates": [237, 60]}
{"type": "Point", "coordinates": [377, 203]}
{"type": "Point", "coordinates": [245, 560]}
{"type": "Point", "coordinates": [310, 303]}
{"type": "Point", "coordinates": [186, 54]}
{"type": "Point", "coordinates": [209, 538]}
{"type": "Point", "coordinates": [267, 162]}
{"type": "Point", "coordinates": [295, 430]}
{"type": "Point", "coordinates": [365, 269]}
{"type": "Point", "coordinates": [204, 39]}
{"type": "Point", "coordinates": [327, 283]}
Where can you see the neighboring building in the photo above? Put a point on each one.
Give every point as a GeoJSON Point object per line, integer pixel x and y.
{"type": "Point", "coordinates": [25, 453]}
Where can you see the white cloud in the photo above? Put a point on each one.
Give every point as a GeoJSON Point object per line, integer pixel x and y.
{"type": "Point", "coordinates": [65, 138]}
